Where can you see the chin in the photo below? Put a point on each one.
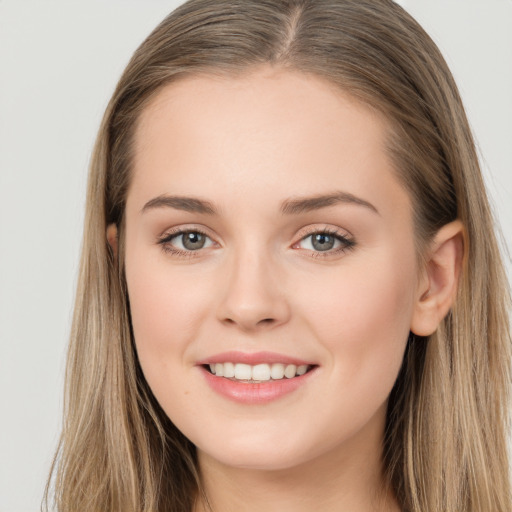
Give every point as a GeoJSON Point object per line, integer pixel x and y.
{"type": "Point", "coordinates": [258, 452]}
{"type": "Point", "coordinates": [264, 460]}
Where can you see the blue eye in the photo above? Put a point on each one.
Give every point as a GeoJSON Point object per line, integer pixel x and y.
{"type": "Point", "coordinates": [319, 243]}
{"type": "Point", "coordinates": [326, 241]}
{"type": "Point", "coordinates": [185, 241]}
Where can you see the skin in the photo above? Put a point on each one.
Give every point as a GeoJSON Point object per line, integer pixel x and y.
{"type": "Point", "coordinates": [246, 145]}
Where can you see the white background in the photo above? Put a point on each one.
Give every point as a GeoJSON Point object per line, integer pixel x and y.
{"type": "Point", "coordinates": [59, 62]}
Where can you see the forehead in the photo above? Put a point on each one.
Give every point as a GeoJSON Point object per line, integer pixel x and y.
{"type": "Point", "coordinates": [276, 132]}
{"type": "Point", "coordinates": [292, 98]}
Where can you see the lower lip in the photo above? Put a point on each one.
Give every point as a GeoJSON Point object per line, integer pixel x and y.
{"type": "Point", "coordinates": [260, 393]}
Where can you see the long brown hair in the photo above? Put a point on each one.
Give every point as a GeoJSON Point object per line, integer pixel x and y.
{"type": "Point", "coordinates": [445, 440]}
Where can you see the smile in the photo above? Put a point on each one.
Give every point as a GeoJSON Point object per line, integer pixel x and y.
{"type": "Point", "coordinates": [259, 372]}
{"type": "Point", "coordinates": [256, 378]}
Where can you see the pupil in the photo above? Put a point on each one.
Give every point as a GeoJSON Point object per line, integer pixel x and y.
{"type": "Point", "coordinates": [323, 242]}
{"type": "Point", "coordinates": [193, 240]}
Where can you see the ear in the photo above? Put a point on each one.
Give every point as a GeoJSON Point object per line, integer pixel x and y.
{"type": "Point", "coordinates": [438, 284]}
{"type": "Point", "coordinates": [112, 238]}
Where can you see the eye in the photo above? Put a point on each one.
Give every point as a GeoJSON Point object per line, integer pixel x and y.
{"type": "Point", "coordinates": [186, 241]}
{"type": "Point", "coordinates": [325, 241]}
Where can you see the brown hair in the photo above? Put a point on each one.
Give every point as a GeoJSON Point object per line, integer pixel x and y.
{"type": "Point", "coordinates": [445, 441]}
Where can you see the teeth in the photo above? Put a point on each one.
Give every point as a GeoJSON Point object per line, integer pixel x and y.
{"type": "Point", "coordinates": [289, 371]}
{"type": "Point", "coordinates": [301, 370]}
{"type": "Point", "coordinates": [242, 371]}
{"type": "Point", "coordinates": [229, 370]}
{"type": "Point", "coordinates": [277, 371]}
{"type": "Point", "coordinates": [259, 372]}
{"type": "Point", "coordinates": [219, 370]}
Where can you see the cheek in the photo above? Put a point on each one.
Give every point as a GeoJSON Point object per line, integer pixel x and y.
{"type": "Point", "coordinates": [363, 319]}
{"type": "Point", "coordinates": [167, 310]}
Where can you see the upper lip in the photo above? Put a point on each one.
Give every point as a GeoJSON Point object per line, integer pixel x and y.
{"type": "Point", "coordinates": [253, 358]}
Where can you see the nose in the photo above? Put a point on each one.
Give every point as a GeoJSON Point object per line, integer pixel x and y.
{"type": "Point", "coordinates": [254, 295]}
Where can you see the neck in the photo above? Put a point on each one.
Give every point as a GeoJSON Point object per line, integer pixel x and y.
{"type": "Point", "coordinates": [346, 478]}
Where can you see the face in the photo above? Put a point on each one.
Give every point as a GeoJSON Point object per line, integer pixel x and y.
{"type": "Point", "coordinates": [266, 233]}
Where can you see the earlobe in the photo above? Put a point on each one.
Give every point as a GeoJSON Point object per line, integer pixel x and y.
{"type": "Point", "coordinates": [112, 238]}
{"type": "Point", "coordinates": [438, 286]}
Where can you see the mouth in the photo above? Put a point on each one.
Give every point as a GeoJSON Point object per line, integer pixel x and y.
{"type": "Point", "coordinates": [259, 373]}
{"type": "Point", "coordinates": [256, 378]}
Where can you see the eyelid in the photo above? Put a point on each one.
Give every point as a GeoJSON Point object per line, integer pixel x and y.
{"type": "Point", "coordinates": [165, 238]}
{"type": "Point", "coordinates": [323, 228]}
{"type": "Point", "coordinates": [185, 228]}
{"type": "Point", "coordinates": [343, 236]}
{"type": "Point", "coordinates": [346, 240]}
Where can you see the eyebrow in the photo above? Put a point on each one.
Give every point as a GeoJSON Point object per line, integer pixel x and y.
{"type": "Point", "coordinates": [187, 204]}
{"type": "Point", "coordinates": [288, 207]}
{"type": "Point", "coordinates": [307, 204]}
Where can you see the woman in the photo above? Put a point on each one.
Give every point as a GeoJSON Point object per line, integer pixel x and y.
{"type": "Point", "coordinates": [291, 295]}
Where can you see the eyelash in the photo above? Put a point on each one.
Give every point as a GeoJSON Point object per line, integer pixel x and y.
{"type": "Point", "coordinates": [168, 248]}
{"type": "Point", "coordinates": [347, 244]}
